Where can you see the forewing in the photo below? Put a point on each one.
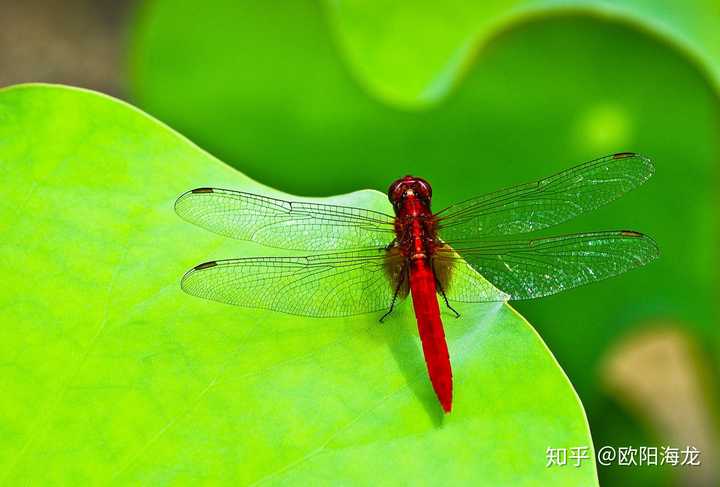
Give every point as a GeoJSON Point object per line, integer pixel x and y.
{"type": "Point", "coordinates": [329, 285]}
{"type": "Point", "coordinates": [284, 224]}
{"type": "Point", "coordinates": [547, 202]}
{"type": "Point", "coordinates": [527, 269]}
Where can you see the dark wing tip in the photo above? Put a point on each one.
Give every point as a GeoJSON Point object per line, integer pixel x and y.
{"type": "Point", "coordinates": [183, 196]}
{"type": "Point", "coordinates": [189, 275]}
{"type": "Point", "coordinates": [205, 265]}
{"type": "Point", "coordinates": [651, 243]}
{"type": "Point", "coordinates": [647, 164]}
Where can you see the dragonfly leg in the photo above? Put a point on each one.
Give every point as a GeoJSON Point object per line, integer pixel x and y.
{"type": "Point", "coordinates": [395, 294]}
{"type": "Point", "coordinates": [442, 292]}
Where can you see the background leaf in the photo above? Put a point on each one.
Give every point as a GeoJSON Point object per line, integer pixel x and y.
{"type": "Point", "coordinates": [111, 373]}
{"type": "Point", "coordinates": [415, 53]}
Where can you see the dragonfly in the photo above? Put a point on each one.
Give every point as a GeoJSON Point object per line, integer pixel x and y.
{"type": "Point", "coordinates": [365, 261]}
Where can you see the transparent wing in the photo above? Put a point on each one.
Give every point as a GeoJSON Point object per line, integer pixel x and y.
{"type": "Point", "coordinates": [460, 281]}
{"type": "Point", "coordinates": [330, 285]}
{"type": "Point", "coordinates": [527, 269]}
{"type": "Point", "coordinates": [284, 224]}
{"type": "Point", "coordinates": [547, 202]}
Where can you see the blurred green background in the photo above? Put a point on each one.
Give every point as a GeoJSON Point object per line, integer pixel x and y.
{"type": "Point", "coordinates": [321, 98]}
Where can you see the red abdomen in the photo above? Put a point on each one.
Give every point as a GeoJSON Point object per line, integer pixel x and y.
{"type": "Point", "coordinates": [430, 327]}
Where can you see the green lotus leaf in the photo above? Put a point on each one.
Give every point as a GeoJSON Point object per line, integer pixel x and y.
{"type": "Point", "coordinates": [112, 374]}
{"type": "Point", "coordinates": [414, 53]}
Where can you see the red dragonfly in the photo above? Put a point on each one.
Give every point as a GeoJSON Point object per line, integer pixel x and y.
{"type": "Point", "coordinates": [461, 254]}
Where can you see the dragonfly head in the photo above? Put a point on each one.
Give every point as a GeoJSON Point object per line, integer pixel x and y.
{"type": "Point", "coordinates": [408, 185]}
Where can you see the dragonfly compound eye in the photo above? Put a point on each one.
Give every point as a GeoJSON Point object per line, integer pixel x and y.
{"type": "Point", "coordinates": [396, 191]}
{"type": "Point", "coordinates": [423, 188]}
